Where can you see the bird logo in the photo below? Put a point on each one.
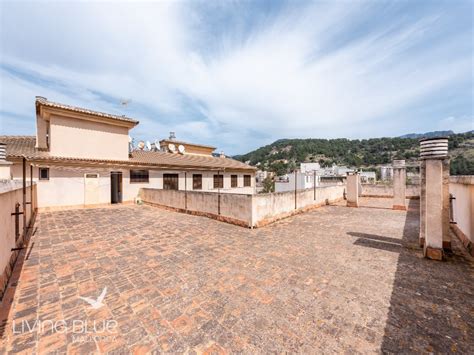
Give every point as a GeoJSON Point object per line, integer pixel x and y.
{"type": "Point", "coordinates": [96, 304]}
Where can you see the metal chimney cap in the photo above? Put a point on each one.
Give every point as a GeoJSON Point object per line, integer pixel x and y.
{"type": "Point", "coordinates": [434, 148]}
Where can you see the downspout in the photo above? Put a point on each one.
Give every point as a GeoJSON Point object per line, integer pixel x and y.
{"type": "Point", "coordinates": [185, 190]}
{"type": "Point", "coordinates": [296, 183]}
{"type": "Point", "coordinates": [24, 199]}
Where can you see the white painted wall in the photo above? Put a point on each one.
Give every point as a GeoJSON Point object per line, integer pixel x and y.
{"type": "Point", "coordinates": [462, 188]}
{"type": "Point", "coordinates": [66, 184]}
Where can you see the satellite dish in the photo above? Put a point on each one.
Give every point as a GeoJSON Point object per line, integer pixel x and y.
{"type": "Point", "coordinates": [141, 145]}
{"type": "Point", "coordinates": [172, 147]}
{"type": "Point", "coordinates": [130, 139]}
{"type": "Point", "coordinates": [181, 149]}
{"type": "Point", "coordinates": [157, 144]}
{"type": "Point", "coordinates": [148, 145]}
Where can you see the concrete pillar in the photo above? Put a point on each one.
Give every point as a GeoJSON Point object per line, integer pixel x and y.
{"type": "Point", "coordinates": [422, 202]}
{"type": "Point", "coordinates": [446, 218]}
{"type": "Point", "coordinates": [353, 182]}
{"type": "Point", "coordinates": [399, 185]}
{"type": "Point", "coordinates": [434, 152]}
{"type": "Point", "coordinates": [5, 166]}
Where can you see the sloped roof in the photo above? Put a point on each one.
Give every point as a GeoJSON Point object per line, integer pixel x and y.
{"type": "Point", "coordinates": [174, 141]}
{"type": "Point", "coordinates": [19, 146]}
{"type": "Point", "coordinates": [41, 101]}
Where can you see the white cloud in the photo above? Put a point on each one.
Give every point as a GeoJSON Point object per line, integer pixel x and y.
{"type": "Point", "coordinates": [285, 77]}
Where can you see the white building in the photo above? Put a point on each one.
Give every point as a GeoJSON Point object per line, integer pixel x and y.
{"type": "Point", "coordinates": [386, 173]}
{"type": "Point", "coordinates": [309, 167]}
{"type": "Point", "coordinates": [367, 177]}
{"type": "Point", "coordinates": [303, 181]}
{"type": "Point", "coordinates": [82, 157]}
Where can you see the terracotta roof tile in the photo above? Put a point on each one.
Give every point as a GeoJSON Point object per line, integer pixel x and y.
{"type": "Point", "coordinates": [18, 146]}
{"type": "Point", "coordinates": [41, 101]}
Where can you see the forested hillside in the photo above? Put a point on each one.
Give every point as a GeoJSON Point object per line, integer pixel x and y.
{"type": "Point", "coordinates": [283, 155]}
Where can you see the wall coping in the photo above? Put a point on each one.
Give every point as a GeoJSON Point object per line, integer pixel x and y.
{"type": "Point", "coordinates": [215, 193]}
{"type": "Point", "coordinates": [462, 179]}
{"type": "Point", "coordinates": [298, 190]}
{"type": "Point", "coordinates": [11, 185]}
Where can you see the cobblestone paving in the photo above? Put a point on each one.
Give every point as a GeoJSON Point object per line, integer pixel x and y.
{"type": "Point", "coordinates": [336, 279]}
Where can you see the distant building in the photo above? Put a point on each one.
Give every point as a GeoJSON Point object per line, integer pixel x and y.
{"type": "Point", "coordinates": [309, 167]}
{"type": "Point", "coordinates": [303, 181]}
{"type": "Point", "coordinates": [368, 177]}
{"type": "Point", "coordinates": [386, 173]}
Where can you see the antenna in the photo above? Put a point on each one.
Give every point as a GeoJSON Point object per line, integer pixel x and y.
{"type": "Point", "coordinates": [148, 145]}
{"type": "Point", "coordinates": [125, 102]}
{"type": "Point", "coordinates": [181, 149]}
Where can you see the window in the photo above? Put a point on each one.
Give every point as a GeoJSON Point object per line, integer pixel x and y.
{"type": "Point", "coordinates": [139, 176]}
{"type": "Point", "coordinates": [170, 181]}
{"type": "Point", "coordinates": [233, 181]}
{"type": "Point", "coordinates": [218, 181]}
{"type": "Point", "coordinates": [247, 181]}
{"type": "Point", "coordinates": [197, 182]}
{"type": "Point", "coordinates": [43, 173]}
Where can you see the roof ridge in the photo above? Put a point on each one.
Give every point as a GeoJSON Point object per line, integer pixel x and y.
{"type": "Point", "coordinates": [46, 102]}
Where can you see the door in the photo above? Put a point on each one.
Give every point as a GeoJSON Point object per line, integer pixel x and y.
{"type": "Point", "coordinates": [91, 189]}
{"type": "Point", "coordinates": [116, 187]}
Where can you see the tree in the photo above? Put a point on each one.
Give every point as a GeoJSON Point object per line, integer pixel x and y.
{"type": "Point", "coordinates": [268, 185]}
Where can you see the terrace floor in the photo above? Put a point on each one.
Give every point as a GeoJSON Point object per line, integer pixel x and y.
{"type": "Point", "coordinates": [335, 279]}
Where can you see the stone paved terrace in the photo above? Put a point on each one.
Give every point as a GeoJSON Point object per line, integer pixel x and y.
{"type": "Point", "coordinates": [336, 279]}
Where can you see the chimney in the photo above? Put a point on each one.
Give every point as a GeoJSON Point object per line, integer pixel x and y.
{"type": "Point", "coordinates": [5, 171]}
{"type": "Point", "coordinates": [172, 136]}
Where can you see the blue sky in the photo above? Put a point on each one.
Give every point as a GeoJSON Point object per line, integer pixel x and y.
{"type": "Point", "coordinates": [241, 74]}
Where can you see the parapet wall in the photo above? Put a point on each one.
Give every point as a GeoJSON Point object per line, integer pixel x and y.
{"type": "Point", "coordinates": [11, 193]}
{"type": "Point", "coordinates": [242, 209]}
{"type": "Point", "coordinates": [462, 189]}
{"type": "Point", "coordinates": [371, 190]}
{"type": "Point", "coordinates": [268, 208]}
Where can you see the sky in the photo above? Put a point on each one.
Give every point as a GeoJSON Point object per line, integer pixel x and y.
{"type": "Point", "coordinates": [242, 74]}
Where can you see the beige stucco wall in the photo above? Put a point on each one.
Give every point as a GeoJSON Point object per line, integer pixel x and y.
{"type": "Point", "coordinates": [66, 184]}
{"type": "Point", "coordinates": [235, 206]}
{"type": "Point", "coordinates": [70, 137]}
{"type": "Point", "coordinates": [462, 188]}
{"type": "Point", "coordinates": [273, 205]}
{"type": "Point", "coordinates": [387, 190]}
{"type": "Point", "coordinates": [252, 210]}
{"type": "Point", "coordinates": [10, 194]}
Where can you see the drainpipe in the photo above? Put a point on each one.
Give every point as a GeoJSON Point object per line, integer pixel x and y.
{"type": "Point", "coordinates": [296, 183]}
{"type": "Point", "coordinates": [24, 198]}
{"type": "Point", "coordinates": [219, 192]}
{"type": "Point", "coordinates": [31, 191]}
{"type": "Point", "coordinates": [185, 191]}
{"type": "Point", "coordinates": [314, 184]}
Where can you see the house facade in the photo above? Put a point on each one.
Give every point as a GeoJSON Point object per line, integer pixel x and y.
{"type": "Point", "coordinates": [83, 157]}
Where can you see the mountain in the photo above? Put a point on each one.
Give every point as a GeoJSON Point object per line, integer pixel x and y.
{"type": "Point", "coordinates": [428, 134]}
{"type": "Point", "coordinates": [284, 155]}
